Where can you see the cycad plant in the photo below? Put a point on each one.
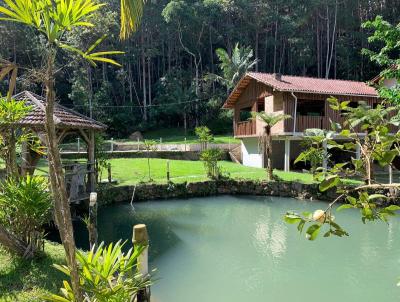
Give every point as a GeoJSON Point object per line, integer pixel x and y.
{"type": "Point", "coordinates": [270, 120]}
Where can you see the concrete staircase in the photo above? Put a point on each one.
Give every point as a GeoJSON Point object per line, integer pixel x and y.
{"type": "Point", "coordinates": [236, 155]}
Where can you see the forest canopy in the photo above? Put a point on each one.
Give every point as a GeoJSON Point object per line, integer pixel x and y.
{"type": "Point", "coordinates": [164, 79]}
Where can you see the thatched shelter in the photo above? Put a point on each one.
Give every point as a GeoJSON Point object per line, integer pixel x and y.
{"type": "Point", "coordinates": [68, 122]}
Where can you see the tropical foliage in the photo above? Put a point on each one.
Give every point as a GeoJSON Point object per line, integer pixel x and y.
{"type": "Point", "coordinates": [107, 274]}
{"type": "Point", "coordinates": [314, 151]}
{"type": "Point", "coordinates": [25, 207]}
{"type": "Point", "coordinates": [377, 144]}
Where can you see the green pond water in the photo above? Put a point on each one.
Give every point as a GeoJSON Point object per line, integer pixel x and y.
{"type": "Point", "coordinates": [239, 249]}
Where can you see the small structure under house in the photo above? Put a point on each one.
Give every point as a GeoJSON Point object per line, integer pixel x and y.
{"type": "Point", "coordinates": [80, 176]}
{"type": "Point", "coordinates": [302, 98]}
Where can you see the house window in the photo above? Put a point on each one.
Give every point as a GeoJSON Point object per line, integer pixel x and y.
{"type": "Point", "coordinates": [245, 114]}
{"type": "Point", "coordinates": [311, 107]}
{"type": "Point", "coordinates": [260, 105]}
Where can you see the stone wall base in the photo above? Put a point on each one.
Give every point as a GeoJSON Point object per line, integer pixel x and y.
{"type": "Point", "coordinates": [113, 194]}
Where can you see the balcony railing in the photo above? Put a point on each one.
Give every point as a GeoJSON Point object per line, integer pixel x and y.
{"type": "Point", "coordinates": [246, 128]}
{"type": "Point", "coordinates": [307, 122]}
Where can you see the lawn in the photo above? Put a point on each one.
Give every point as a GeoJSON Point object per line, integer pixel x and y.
{"type": "Point", "coordinates": [27, 281]}
{"type": "Point", "coordinates": [135, 170]}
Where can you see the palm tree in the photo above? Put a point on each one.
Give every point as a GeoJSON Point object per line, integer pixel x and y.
{"type": "Point", "coordinates": [52, 19]}
{"type": "Point", "coordinates": [270, 120]}
{"type": "Point", "coordinates": [233, 67]}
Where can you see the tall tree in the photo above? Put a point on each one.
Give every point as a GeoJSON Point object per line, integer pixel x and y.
{"type": "Point", "coordinates": [53, 19]}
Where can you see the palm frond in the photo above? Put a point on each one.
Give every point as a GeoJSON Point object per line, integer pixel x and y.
{"type": "Point", "coordinates": [131, 16]}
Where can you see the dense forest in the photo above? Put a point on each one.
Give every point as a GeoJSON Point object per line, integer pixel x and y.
{"type": "Point", "coordinates": [163, 80]}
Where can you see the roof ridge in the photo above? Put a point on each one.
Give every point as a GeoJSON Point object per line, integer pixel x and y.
{"type": "Point", "coordinates": [305, 77]}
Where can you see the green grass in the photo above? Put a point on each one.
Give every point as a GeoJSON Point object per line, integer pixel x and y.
{"type": "Point", "coordinates": [130, 171]}
{"type": "Point", "coordinates": [27, 281]}
{"type": "Point", "coordinates": [177, 136]}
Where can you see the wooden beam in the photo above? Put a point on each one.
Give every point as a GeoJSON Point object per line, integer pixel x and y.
{"type": "Point", "coordinates": [85, 136]}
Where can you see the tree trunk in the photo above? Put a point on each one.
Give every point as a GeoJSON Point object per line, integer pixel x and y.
{"type": "Point", "coordinates": [268, 152]}
{"type": "Point", "coordinates": [11, 243]}
{"type": "Point", "coordinates": [61, 203]}
{"type": "Point", "coordinates": [144, 80]}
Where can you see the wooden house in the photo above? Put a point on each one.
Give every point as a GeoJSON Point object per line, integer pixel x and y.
{"type": "Point", "coordinates": [303, 98]}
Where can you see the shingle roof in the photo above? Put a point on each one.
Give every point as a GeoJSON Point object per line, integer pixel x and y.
{"type": "Point", "coordinates": [63, 117]}
{"type": "Point", "coordinates": [302, 84]}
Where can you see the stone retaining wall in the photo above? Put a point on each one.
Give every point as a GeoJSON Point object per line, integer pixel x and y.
{"type": "Point", "coordinates": [145, 192]}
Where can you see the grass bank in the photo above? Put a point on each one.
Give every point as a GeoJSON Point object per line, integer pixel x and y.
{"type": "Point", "coordinates": [27, 281]}
{"type": "Point", "coordinates": [130, 171]}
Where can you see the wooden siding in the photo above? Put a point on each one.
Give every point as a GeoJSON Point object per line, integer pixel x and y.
{"type": "Point", "coordinates": [253, 93]}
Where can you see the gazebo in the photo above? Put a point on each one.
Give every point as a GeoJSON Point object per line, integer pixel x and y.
{"type": "Point", "coordinates": [80, 180]}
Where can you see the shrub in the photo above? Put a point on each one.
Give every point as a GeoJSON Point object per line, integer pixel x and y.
{"type": "Point", "coordinates": [210, 159]}
{"type": "Point", "coordinates": [204, 136]}
{"type": "Point", "coordinates": [25, 206]}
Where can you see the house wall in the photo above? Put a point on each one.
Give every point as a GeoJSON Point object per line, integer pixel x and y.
{"type": "Point", "coordinates": [252, 157]}
{"type": "Point", "coordinates": [249, 96]}
{"type": "Point", "coordinates": [250, 153]}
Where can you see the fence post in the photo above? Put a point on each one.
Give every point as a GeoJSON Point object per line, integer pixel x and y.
{"type": "Point", "coordinates": [185, 143]}
{"type": "Point", "coordinates": [138, 144]}
{"type": "Point", "coordinates": [92, 225]}
{"type": "Point", "coordinates": [109, 173]}
{"type": "Point", "coordinates": [168, 174]}
{"type": "Point", "coordinates": [390, 174]}
{"type": "Point", "coordinates": [160, 143]}
{"type": "Point", "coordinates": [79, 145]}
{"type": "Point", "coordinates": [141, 238]}
{"type": "Point", "coordinates": [229, 144]}
{"type": "Point", "coordinates": [112, 145]}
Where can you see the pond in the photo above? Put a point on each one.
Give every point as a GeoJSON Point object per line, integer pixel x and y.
{"type": "Point", "coordinates": [231, 248]}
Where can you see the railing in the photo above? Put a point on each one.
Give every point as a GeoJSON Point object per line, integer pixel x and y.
{"type": "Point", "coordinates": [245, 128]}
{"type": "Point", "coordinates": [307, 122]}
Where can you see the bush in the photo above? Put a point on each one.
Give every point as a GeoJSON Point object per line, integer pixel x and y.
{"type": "Point", "coordinates": [210, 159]}
{"type": "Point", "coordinates": [25, 206]}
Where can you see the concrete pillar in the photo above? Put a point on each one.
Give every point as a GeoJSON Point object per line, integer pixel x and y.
{"type": "Point", "coordinates": [287, 155]}
{"type": "Point", "coordinates": [325, 160]}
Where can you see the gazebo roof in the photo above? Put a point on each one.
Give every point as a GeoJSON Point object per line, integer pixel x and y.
{"type": "Point", "coordinates": [64, 118]}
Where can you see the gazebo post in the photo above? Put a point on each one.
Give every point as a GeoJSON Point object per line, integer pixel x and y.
{"type": "Point", "coordinates": [92, 161]}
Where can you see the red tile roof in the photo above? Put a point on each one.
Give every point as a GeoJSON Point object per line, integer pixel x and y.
{"type": "Point", "coordinates": [64, 117]}
{"type": "Point", "coordinates": [304, 85]}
